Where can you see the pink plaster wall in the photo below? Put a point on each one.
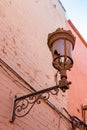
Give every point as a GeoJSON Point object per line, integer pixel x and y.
{"type": "Point", "coordinates": [78, 76]}
{"type": "Point", "coordinates": [24, 27]}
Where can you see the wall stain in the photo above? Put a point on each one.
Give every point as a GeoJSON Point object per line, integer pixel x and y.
{"type": "Point", "coordinates": [11, 95]}
{"type": "Point", "coordinates": [54, 5]}
{"type": "Point", "coordinates": [15, 53]}
{"type": "Point", "coordinates": [46, 84]}
{"type": "Point", "coordinates": [47, 76]}
{"type": "Point", "coordinates": [19, 65]}
{"type": "Point", "coordinates": [78, 110]}
{"type": "Point", "coordinates": [10, 2]}
{"type": "Point", "coordinates": [4, 51]}
{"type": "Point", "coordinates": [36, 1]}
{"type": "Point", "coordinates": [14, 41]}
{"type": "Point", "coordinates": [6, 43]}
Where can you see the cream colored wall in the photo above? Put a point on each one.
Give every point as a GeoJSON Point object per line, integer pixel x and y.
{"type": "Point", "coordinates": [24, 27]}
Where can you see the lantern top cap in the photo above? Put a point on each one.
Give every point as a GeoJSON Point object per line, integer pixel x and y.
{"type": "Point", "coordinates": [60, 33]}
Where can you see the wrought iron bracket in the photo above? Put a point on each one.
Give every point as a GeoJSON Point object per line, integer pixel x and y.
{"type": "Point", "coordinates": [23, 104]}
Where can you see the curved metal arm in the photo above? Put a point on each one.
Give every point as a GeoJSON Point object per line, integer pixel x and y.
{"type": "Point", "coordinates": [23, 104]}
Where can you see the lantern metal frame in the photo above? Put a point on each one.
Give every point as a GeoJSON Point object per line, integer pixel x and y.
{"type": "Point", "coordinates": [23, 104]}
{"type": "Point", "coordinates": [65, 35]}
{"type": "Point", "coordinates": [62, 67]}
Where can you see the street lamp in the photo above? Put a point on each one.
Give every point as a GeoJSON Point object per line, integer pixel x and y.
{"type": "Point", "coordinates": [60, 43]}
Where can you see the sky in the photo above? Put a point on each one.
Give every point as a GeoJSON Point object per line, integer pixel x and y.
{"type": "Point", "coordinates": [76, 11]}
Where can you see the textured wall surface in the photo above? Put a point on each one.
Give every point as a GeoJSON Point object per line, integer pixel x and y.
{"type": "Point", "coordinates": [24, 27]}
{"type": "Point", "coordinates": [78, 76]}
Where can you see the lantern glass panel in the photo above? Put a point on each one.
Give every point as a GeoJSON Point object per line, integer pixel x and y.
{"type": "Point", "coordinates": [61, 51]}
{"type": "Point", "coordinates": [58, 47]}
{"type": "Point", "coordinates": [62, 47]}
{"type": "Point", "coordinates": [68, 48]}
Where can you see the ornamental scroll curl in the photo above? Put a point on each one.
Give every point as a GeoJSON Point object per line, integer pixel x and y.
{"type": "Point", "coordinates": [23, 107]}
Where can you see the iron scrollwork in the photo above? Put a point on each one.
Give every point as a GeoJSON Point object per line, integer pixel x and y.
{"type": "Point", "coordinates": [23, 105]}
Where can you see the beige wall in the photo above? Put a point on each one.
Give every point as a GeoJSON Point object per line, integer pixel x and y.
{"type": "Point", "coordinates": [24, 27]}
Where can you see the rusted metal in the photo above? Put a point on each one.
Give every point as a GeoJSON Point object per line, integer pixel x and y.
{"type": "Point", "coordinates": [22, 105]}
{"type": "Point", "coordinates": [60, 33]}
{"type": "Point", "coordinates": [60, 44]}
{"type": "Point", "coordinates": [13, 110]}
